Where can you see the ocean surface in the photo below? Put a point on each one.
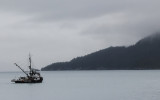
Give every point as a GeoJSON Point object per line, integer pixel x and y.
{"type": "Point", "coordinates": [84, 85]}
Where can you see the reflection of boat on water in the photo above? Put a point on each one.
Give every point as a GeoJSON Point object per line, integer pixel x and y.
{"type": "Point", "coordinates": [32, 77]}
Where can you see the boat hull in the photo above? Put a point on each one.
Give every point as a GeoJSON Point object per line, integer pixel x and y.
{"type": "Point", "coordinates": [28, 80]}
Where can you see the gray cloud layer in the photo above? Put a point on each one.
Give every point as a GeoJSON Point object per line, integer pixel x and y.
{"type": "Point", "coordinates": [58, 30]}
{"type": "Point", "coordinates": [55, 9]}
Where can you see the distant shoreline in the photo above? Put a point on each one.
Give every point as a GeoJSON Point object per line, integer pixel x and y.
{"type": "Point", "coordinates": [144, 55]}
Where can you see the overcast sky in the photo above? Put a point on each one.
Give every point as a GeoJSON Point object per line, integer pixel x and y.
{"type": "Point", "coordinates": [59, 30]}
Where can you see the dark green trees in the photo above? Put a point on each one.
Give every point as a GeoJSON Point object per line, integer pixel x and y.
{"type": "Point", "coordinates": [145, 54]}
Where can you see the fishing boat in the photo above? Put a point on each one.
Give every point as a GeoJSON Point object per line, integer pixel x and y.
{"type": "Point", "coordinates": [33, 76]}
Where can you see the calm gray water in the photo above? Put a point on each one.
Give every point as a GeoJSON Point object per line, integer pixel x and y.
{"type": "Point", "coordinates": [85, 85]}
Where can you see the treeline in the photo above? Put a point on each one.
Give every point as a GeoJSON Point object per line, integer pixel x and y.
{"type": "Point", "coordinates": [145, 54]}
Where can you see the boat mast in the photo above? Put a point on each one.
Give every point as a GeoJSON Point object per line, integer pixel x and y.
{"type": "Point", "coordinates": [30, 62]}
{"type": "Point", "coordinates": [21, 69]}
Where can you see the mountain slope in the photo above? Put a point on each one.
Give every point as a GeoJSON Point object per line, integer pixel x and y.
{"type": "Point", "coordinates": [145, 54]}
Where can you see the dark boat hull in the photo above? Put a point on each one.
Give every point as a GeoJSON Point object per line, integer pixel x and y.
{"type": "Point", "coordinates": [29, 81]}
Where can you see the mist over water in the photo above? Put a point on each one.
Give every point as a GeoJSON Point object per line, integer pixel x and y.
{"type": "Point", "coordinates": [85, 85]}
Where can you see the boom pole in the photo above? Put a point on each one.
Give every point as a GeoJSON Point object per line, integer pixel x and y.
{"type": "Point", "coordinates": [21, 69]}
